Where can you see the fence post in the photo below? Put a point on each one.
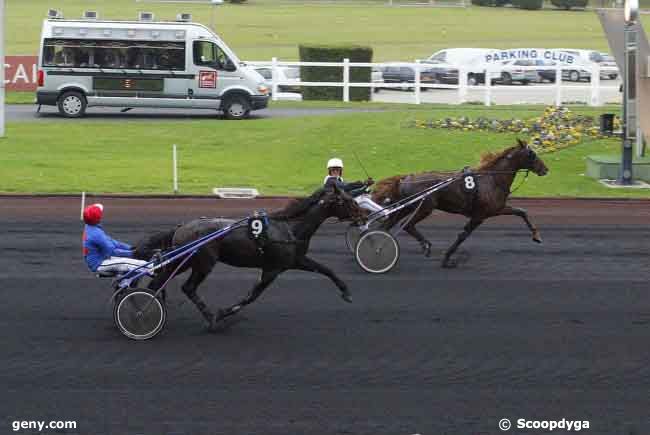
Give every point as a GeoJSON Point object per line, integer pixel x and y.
{"type": "Point", "coordinates": [417, 81]}
{"type": "Point", "coordinates": [175, 163]}
{"type": "Point", "coordinates": [595, 85]}
{"type": "Point", "coordinates": [83, 204]}
{"type": "Point", "coordinates": [462, 86]}
{"type": "Point", "coordinates": [488, 86]}
{"type": "Point", "coordinates": [346, 80]}
{"type": "Point", "coordinates": [274, 78]}
{"type": "Point", "coordinates": [558, 85]}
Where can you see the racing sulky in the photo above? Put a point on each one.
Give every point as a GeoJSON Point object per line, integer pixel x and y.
{"type": "Point", "coordinates": [280, 244]}
{"type": "Point", "coordinates": [478, 193]}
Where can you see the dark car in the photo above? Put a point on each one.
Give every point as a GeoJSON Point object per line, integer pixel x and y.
{"type": "Point", "coordinates": [406, 74]}
{"type": "Point", "coordinates": [546, 75]}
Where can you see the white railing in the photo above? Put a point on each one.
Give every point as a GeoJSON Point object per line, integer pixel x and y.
{"type": "Point", "coordinates": [488, 87]}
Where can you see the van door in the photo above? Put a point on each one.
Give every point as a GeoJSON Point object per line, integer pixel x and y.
{"type": "Point", "coordinates": [214, 73]}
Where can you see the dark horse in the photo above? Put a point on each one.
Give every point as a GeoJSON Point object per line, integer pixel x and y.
{"type": "Point", "coordinates": [494, 177]}
{"type": "Point", "coordinates": [285, 247]}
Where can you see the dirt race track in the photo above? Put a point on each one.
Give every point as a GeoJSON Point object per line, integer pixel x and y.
{"type": "Point", "coordinates": [518, 331]}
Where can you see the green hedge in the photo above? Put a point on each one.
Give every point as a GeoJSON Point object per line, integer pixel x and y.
{"type": "Point", "coordinates": [568, 4]}
{"type": "Point", "coordinates": [528, 4]}
{"type": "Point", "coordinates": [491, 2]}
{"type": "Point", "coordinates": [324, 53]}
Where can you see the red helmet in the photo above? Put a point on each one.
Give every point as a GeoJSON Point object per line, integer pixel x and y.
{"type": "Point", "coordinates": [93, 214]}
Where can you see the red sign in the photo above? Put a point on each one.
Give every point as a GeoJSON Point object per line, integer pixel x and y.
{"type": "Point", "coordinates": [21, 73]}
{"type": "Point", "coordinates": [208, 79]}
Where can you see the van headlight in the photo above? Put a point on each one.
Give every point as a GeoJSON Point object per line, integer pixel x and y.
{"type": "Point", "coordinates": [263, 89]}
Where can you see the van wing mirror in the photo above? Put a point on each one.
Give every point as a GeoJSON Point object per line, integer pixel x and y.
{"type": "Point", "coordinates": [229, 66]}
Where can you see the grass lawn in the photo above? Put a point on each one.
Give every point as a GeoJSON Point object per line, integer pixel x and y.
{"type": "Point", "coordinates": [277, 156]}
{"type": "Point", "coordinates": [261, 29]}
{"type": "Point", "coordinates": [20, 97]}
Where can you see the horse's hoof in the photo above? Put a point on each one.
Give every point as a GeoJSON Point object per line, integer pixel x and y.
{"type": "Point", "coordinates": [346, 296]}
{"type": "Point", "coordinates": [427, 250]}
{"type": "Point", "coordinates": [216, 321]}
{"type": "Point", "coordinates": [213, 325]}
{"type": "Point", "coordinates": [536, 237]}
{"type": "Point", "coordinates": [450, 264]}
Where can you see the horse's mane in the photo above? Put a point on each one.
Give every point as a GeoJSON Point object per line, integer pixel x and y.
{"type": "Point", "coordinates": [490, 158]}
{"type": "Point", "coordinates": [297, 207]}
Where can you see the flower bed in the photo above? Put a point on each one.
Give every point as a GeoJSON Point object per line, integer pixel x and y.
{"type": "Point", "coordinates": [557, 128]}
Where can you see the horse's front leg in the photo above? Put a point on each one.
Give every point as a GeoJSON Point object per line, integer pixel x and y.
{"type": "Point", "coordinates": [522, 213]}
{"type": "Point", "coordinates": [268, 276]}
{"type": "Point", "coordinates": [190, 289]}
{"type": "Point", "coordinates": [309, 265]}
{"type": "Point", "coordinates": [471, 226]}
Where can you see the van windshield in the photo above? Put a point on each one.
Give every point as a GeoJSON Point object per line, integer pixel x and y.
{"type": "Point", "coordinates": [438, 58]}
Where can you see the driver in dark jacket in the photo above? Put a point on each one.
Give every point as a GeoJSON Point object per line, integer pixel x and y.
{"type": "Point", "coordinates": [357, 189]}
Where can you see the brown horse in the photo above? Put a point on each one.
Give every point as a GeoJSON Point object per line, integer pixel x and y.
{"type": "Point", "coordinates": [479, 197]}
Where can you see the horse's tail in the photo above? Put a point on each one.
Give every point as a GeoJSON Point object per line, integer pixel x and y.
{"type": "Point", "coordinates": [386, 190]}
{"type": "Point", "coordinates": [146, 247]}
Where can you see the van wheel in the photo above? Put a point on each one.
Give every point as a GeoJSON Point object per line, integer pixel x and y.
{"type": "Point", "coordinates": [574, 76]}
{"type": "Point", "coordinates": [72, 104]}
{"type": "Point", "coordinates": [472, 80]}
{"type": "Point", "coordinates": [506, 78]}
{"type": "Point", "coordinates": [236, 107]}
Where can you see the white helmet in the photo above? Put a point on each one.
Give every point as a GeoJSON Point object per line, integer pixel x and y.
{"type": "Point", "coordinates": [334, 163]}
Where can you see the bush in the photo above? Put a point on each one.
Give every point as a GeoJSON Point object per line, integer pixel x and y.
{"type": "Point", "coordinates": [528, 4]}
{"type": "Point", "coordinates": [322, 53]}
{"type": "Point", "coordinates": [491, 2]}
{"type": "Point", "coordinates": [236, 1]}
{"type": "Point", "coordinates": [568, 4]}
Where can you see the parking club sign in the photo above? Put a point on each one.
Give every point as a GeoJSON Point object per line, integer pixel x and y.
{"type": "Point", "coordinates": [208, 79]}
{"type": "Point", "coordinates": [560, 56]}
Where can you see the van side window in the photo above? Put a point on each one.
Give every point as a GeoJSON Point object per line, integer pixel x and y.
{"type": "Point", "coordinates": [141, 55]}
{"type": "Point", "coordinates": [209, 54]}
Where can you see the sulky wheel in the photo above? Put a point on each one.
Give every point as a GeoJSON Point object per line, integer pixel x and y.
{"type": "Point", "coordinates": [352, 236]}
{"type": "Point", "coordinates": [377, 251]}
{"type": "Point", "coordinates": [354, 233]}
{"type": "Point", "coordinates": [139, 315]}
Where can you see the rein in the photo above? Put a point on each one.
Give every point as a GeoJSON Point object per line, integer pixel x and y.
{"type": "Point", "coordinates": [521, 183]}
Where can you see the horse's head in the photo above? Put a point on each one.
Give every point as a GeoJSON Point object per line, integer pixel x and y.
{"type": "Point", "coordinates": [524, 157]}
{"type": "Point", "coordinates": [341, 205]}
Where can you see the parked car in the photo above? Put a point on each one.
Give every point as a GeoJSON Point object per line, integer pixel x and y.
{"type": "Point", "coordinates": [610, 68]}
{"type": "Point", "coordinates": [284, 74]}
{"type": "Point", "coordinates": [523, 76]}
{"type": "Point", "coordinates": [575, 74]}
{"type": "Point", "coordinates": [406, 74]}
{"type": "Point", "coordinates": [586, 58]}
{"type": "Point", "coordinates": [546, 74]}
{"type": "Point", "coordinates": [445, 63]}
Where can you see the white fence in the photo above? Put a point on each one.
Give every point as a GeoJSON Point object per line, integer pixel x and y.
{"type": "Point", "coordinates": [558, 88]}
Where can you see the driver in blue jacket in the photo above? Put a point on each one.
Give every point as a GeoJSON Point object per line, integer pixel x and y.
{"type": "Point", "coordinates": [102, 253]}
